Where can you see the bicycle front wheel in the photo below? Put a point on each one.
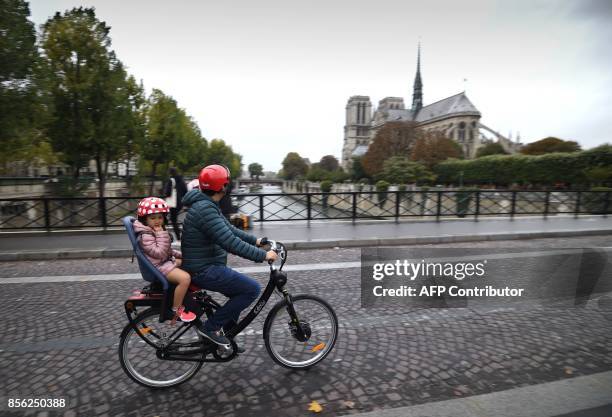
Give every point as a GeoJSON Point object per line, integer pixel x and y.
{"type": "Point", "coordinates": [303, 343]}
{"type": "Point", "coordinates": [139, 358]}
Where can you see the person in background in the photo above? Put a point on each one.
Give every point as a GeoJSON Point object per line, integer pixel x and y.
{"type": "Point", "coordinates": [174, 190]}
{"type": "Point", "coordinates": [194, 183]}
{"type": "Point", "coordinates": [225, 204]}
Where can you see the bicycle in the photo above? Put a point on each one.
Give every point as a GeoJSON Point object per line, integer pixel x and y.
{"type": "Point", "coordinates": [155, 351]}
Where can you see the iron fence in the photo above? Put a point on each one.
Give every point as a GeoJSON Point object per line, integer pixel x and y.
{"type": "Point", "coordinates": [66, 213]}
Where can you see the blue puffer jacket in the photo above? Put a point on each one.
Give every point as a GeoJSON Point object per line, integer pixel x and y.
{"type": "Point", "coordinates": [208, 236]}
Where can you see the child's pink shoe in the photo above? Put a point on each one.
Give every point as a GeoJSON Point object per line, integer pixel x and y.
{"type": "Point", "coordinates": [185, 316]}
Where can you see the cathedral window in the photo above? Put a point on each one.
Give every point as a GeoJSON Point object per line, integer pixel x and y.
{"type": "Point", "coordinates": [461, 132]}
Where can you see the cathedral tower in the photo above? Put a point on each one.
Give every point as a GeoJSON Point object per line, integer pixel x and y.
{"type": "Point", "coordinates": [357, 126]}
{"type": "Point", "coordinates": [417, 93]}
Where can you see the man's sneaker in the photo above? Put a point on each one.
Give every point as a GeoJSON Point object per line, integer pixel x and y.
{"type": "Point", "coordinates": [185, 316]}
{"type": "Point", "coordinates": [214, 336]}
{"type": "Point", "coordinates": [222, 350]}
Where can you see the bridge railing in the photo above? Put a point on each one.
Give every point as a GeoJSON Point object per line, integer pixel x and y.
{"type": "Point", "coordinates": [84, 213]}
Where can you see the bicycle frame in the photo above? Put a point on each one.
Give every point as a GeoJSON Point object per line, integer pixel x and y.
{"type": "Point", "coordinates": [277, 280]}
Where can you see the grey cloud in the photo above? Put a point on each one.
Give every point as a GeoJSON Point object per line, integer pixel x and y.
{"type": "Point", "coordinates": [594, 9]}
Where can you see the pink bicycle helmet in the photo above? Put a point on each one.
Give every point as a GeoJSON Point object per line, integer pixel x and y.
{"type": "Point", "coordinates": [151, 205]}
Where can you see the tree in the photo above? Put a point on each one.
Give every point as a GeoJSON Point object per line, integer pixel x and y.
{"type": "Point", "coordinates": [599, 175]}
{"type": "Point", "coordinates": [316, 173]}
{"type": "Point", "coordinates": [135, 123]}
{"type": "Point", "coordinates": [393, 139]}
{"type": "Point", "coordinates": [41, 154]}
{"type": "Point", "coordinates": [329, 163]}
{"type": "Point", "coordinates": [294, 166]}
{"type": "Point", "coordinates": [550, 145]}
{"type": "Point", "coordinates": [193, 149]}
{"type": "Point", "coordinates": [221, 153]}
{"type": "Point", "coordinates": [255, 170]}
{"type": "Point", "coordinates": [17, 44]}
{"type": "Point", "coordinates": [492, 148]}
{"type": "Point", "coordinates": [433, 148]}
{"type": "Point", "coordinates": [401, 170]}
{"type": "Point", "coordinates": [163, 127]}
{"type": "Point", "coordinates": [23, 104]}
{"type": "Point", "coordinates": [113, 122]}
{"type": "Point", "coordinates": [89, 90]}
{"type": "Point", "coordinates": [357, 171]}
{"type": "Point", "coordinates": [174, 139]}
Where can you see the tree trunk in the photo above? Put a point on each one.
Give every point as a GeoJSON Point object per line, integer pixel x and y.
{"type": "Point", "coordinates": [128, 177]}
{"type": "Point", "coordinates": [101, 176]}
{"type": "Point", "coordinates": [153, 171]}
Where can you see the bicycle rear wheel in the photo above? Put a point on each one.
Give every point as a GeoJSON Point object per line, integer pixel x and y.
{"type": "Point", "coordinates": [139, 359]}
{"type": "Point", "coordinates": [300, 346]}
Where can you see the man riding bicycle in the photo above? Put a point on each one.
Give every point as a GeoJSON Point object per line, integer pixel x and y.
{"type": "Point", "coordinates": [207, 237]}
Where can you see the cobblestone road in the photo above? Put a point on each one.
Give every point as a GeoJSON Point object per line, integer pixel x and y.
{"type": "Point", "coordinates": [60, 339]}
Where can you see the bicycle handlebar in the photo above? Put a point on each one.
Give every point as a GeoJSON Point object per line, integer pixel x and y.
{"type": "Point", "coordinates": [277, 247]}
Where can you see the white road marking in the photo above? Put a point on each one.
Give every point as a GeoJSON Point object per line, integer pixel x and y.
{"type": "Point", "coordinates": [292, 268]}
{"type": "Point", "coordinates": [124, 277]}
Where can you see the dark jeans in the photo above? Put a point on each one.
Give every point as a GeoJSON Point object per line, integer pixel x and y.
{"type": "Point", "coordinates": [174, 212]}
{"type": "Point", "coordinates": [240, 289]}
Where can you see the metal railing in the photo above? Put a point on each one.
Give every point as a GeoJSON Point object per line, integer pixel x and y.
{"type": "Point", "coordinates": [67, 213]}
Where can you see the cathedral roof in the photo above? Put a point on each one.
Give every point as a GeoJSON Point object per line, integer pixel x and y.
{"type": "Point", "coordinates": [399, 114]}
{"type": "Point", "coordinates": [459, 103]}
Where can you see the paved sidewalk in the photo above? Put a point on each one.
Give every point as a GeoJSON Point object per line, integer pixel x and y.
{"type": "Point", "coordinates": [323, 234]}
{"type": "Point", "coordinates": [585, 396]}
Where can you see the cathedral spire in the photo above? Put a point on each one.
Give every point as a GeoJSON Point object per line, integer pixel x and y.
{"type": "Point", "coordinates": [417, 94]}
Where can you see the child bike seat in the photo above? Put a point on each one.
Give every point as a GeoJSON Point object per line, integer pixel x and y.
{"type": "Point", "coordinates": [147, 270]}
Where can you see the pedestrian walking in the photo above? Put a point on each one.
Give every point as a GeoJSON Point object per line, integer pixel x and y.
{"type": "Point", "coordinates": [174, 190]}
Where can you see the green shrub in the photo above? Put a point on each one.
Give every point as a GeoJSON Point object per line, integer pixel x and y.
{"type": "Point", "coordinates": [326, 186]}
{"type": "Point", "coordinates": [382, 185]}
{"type": "Point", "coordinates": [464, 196]}
{"type": "Point", "coordinates": [576, 168]}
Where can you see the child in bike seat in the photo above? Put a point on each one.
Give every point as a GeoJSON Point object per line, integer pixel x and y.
{"type": "Point", "coordinates": [155, 243]}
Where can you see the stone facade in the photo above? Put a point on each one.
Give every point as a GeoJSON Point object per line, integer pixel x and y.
{"type": "Point", "coordinates": [455, 116]}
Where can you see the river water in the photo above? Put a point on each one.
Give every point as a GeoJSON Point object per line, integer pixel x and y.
{"type": "Point", "coordinates": [283, 207]}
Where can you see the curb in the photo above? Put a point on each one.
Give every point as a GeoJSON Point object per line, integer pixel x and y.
{"type": "Point", "coordinates": [115, 230]}
{"type": "Point", "coordinates": [36, 255]}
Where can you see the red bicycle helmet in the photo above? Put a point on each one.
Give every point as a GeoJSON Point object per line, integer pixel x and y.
{"type": "Point", "coordinates": [214, 177]}
{"type": "Point", "coordinates": [151, 205]}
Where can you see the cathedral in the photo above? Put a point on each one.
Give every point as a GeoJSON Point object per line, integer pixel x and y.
{"type": "Point", "coordinates": [456, 116]}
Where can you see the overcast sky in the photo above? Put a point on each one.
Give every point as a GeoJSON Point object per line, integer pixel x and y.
{"type": "Point", "coordinates": [271, 77]}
